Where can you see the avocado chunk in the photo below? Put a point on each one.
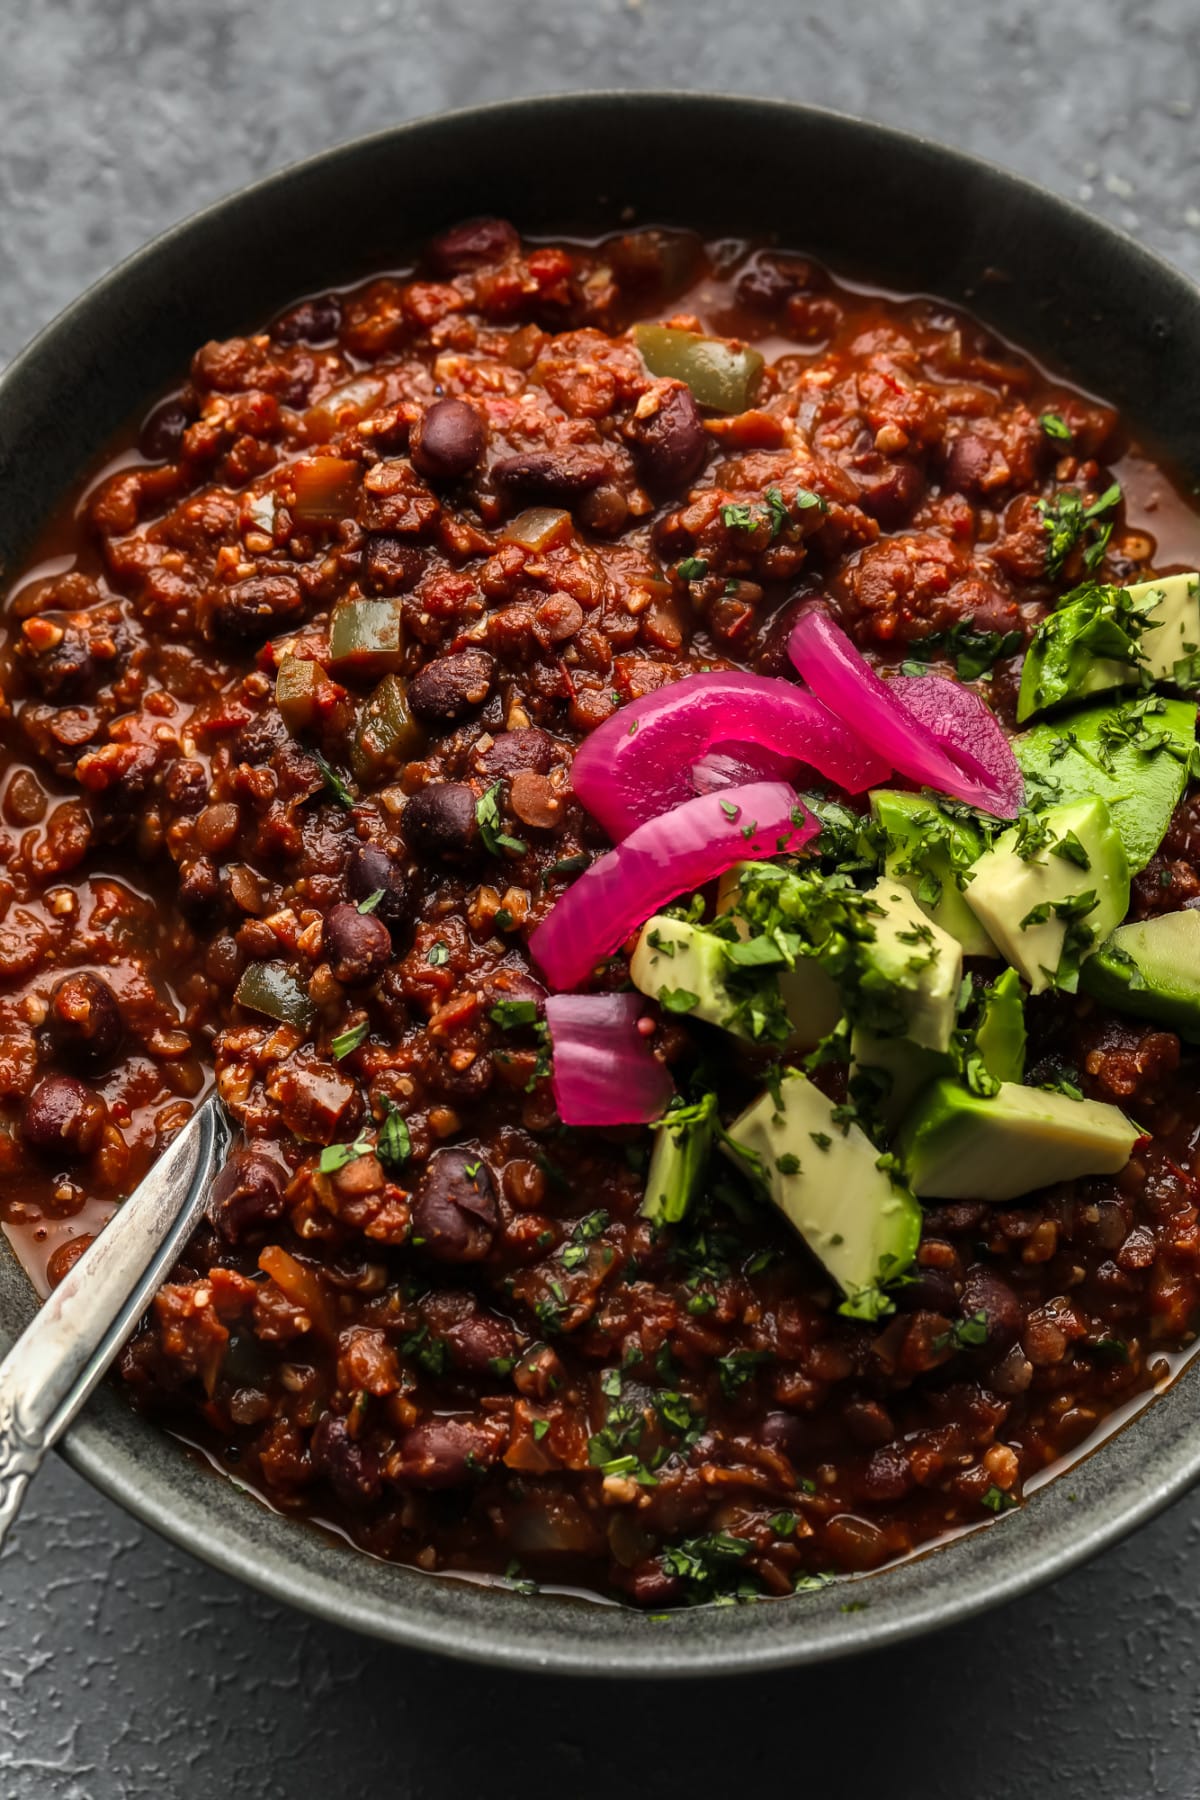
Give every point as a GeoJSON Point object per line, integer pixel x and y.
{"type": "Point", "coordinates": [1051, 889]}
{"type": "Point", "coordinates": [957, 1145]}
{"type": "Point", "coordinates": [929, 851]}
{"type": "Point", "coordinates": [1000, 1034]}
{"type": "Point", "coordinates": [682, 1141]}
{"type": "Point", "coordinates": [690, 969]}
{"type": "Point", "coordinates": [1102, 637]}
{"type": "Point", "coordinates": [1151, 970]}
{"type": "Point", "coordinates": [910, 967]}
{"type": "Point", "coordinates": [824, 1176]}
{"type": "Point", "coordinates": [887, 1074]}
{"type": "Point", "coordinates": [1133, 754]}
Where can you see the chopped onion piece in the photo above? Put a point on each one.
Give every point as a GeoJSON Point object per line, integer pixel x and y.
{"type": "Point", "coordinates": [970, 765]}
{"type": "Point", "coordinates": [662, 859]}
{"type": "Point", "coordinates": [604, 1071]}
{"type": "Point", "coordinates": [639, 763]}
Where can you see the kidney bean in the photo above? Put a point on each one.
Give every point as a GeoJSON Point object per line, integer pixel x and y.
{"type": "Point", "coordinates": [450, 687]}
{"type": "Point", "coordinates": [930, 1290]}
{"type": "Point", "coordinates": [888, 1476]}
{"type": "Point", "coordinates": [985, 1293]}
{"type": "Point", "coordinates": [312, 322]}
{"type": "Point", "coordinates": [439, 820]}
{"type": "Point", "coordinates": [358, 945]}
{"type": "Point", "coordinates": [476, 244]}
{"type": "Point", "coordinates": [785, 1432]}
{"type": "Point", "coordinates": [967, 462]}
{"type": "Point", "coordinates": [670, 443]}
{"type": "Point", "coordinates": [770, 280]}
{"type": "Point", "coordinates": [513, 751]}
{"type": "Point", "coordinates": [84, 1021]}
{"type": "Point", "coordinates": [454, 1213]}
{"type": "Point", "coordinates": [197, 891]}
{"type": "Point", "coordinates": [891, 494]}
{"type": "Point", "coordinates": [551, 474]}
{"type": "Point", "coordinates": [246, 1196]}
{"type": "Point", "coordinates": [442, 1453]}
{"type": "Point", "coordinates": [62, 1117]}
{"type": "Point", "coordinates": [350, 1467]}
{"type": "Point", "coordinates": [161, 436]}
{"type": "Point", "coordinates": [256, 607]}
{"type": "Point", "coordinates": [372, 871]}
{"type": "Point", "coordinates": [557, 618]}
{"type": "Point", "coordinates": [56, 652]}
{"type": "Point", "coordinates": [448, 440]}
{"type": "Point", "coordinates": [391, 565]}
{"type": "Point", "coordinates": [479, 1341]}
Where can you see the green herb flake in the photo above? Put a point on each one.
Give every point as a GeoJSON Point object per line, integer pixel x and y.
{"type": "Point", "coordinates": [395, 1145]}
{"type": "Point", "coordinates": [333, 781]}
{"type": "Point", "coordinates": [346, 1041]}
{"type": "Point", "coordinates": [509, 1015]}
{"type": "Point", "coordinates": [487, 817]}
{"type": "Point", "coordinates": [336, 1156]}
{"type": "Point", "coordinates": [371, 902]}
{"type": "Point", "coordinates": [997, 1501]}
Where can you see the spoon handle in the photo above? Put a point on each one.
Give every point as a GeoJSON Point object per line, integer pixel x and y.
{"type": "Point", "coordinates": [68, 1345]}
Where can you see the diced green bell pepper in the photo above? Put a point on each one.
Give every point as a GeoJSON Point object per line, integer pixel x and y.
{"type": "Point", "coordinates": [275, 988]}
{"type": "Point", "coordinates": [366, 637]}
{"type": "Point", "coordinates": [297, 684]}
{"type": "Point", "coordinates": [721, 375]}
{"type": "Point", "coordinates": [386, 733]}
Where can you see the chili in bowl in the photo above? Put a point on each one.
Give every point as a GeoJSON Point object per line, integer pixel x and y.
{"type": "Point", "coordinates": [658, 783]}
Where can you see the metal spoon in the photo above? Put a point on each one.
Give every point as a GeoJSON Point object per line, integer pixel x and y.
{"type": "Point", "coordinates": [62, 1354]}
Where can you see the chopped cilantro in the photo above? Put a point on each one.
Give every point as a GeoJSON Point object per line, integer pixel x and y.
{"type": "Point", "coordinates": [487, 817]}
{"type": "Point", "coordinates": [346, 1041]}
{"type": "Point", "coordinates": [333, 781]}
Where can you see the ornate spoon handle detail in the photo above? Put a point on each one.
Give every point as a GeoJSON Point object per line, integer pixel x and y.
{"type": "Point", "coordinates": [67, 1347]}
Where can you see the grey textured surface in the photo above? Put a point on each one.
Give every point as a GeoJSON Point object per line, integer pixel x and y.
{"type": "Point", "coordinates": [125, 1669]}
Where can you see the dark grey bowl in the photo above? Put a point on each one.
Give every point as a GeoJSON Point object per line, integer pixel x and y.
{"type": "Point", "coordinates": [874, 202]}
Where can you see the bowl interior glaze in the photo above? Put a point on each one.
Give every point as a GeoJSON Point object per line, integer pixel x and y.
{"type": "Point", "coordinates": [877, 205]}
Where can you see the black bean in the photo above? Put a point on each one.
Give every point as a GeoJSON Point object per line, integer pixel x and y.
{"type": "Point", "coordinates": [985, 1293]}
{"type": "Point", "coordinates": [785, 1432]}
{"type": "Point", "coordinates": [448, 440]}
{"type": "Point", "coordinates": [84, 1020]}
{"type": "Point", "coordinates": [161, 436]}
{"type": "Point", "coordinates": [350, 1467]}
{"type": "Point", "coordinates": [372, 871]}
{"type": "Point", "coordinates": [475, 244]}
{"type": "Point", "coordinates": [312, 322]}
{"type": "Point", "coordinates": [256, 607]}
{"type": "Point", "coordinates": [512, 752]}
{"type": "Point", "coordinates": [358, 945]}
{"type": "Point", "coordinates": [62, 1118]}
{"type": "Point", "coordinates": [391, 564]}
{"type": "Point", "coordinates": [455, 1214]}
{"type": "Point", "coordinates": [247, 1195]}
{"type": "Point", "coordinates": [670, 443]}
{"type": "Point", "coordinates": [439, 820]}
{"type": "Point", "coordinates": [450, 687]}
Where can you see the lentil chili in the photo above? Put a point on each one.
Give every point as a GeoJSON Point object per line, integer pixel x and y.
{"type": "Point", "coordinates": [290, 703]}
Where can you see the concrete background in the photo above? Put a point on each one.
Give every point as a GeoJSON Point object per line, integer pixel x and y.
{"type": "Point", "coordinates": [128, 1671]}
